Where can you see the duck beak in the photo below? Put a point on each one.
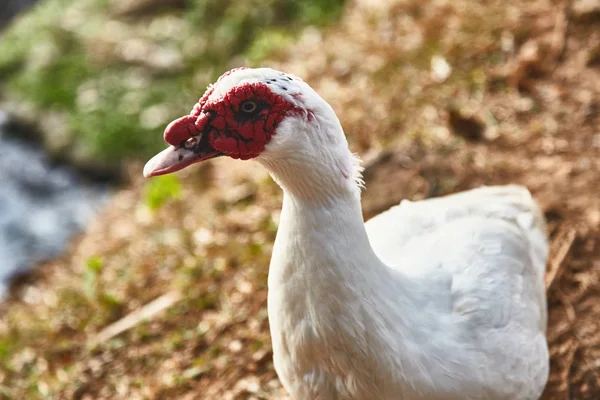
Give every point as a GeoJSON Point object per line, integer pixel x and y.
{"type": "Point", "coordinates": [174, 159]}
{"type": "Point", "coordinates": [188, 146]}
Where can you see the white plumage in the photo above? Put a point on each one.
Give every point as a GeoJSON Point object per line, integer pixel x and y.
{"type": "Point", "coordinates": [436, 299]}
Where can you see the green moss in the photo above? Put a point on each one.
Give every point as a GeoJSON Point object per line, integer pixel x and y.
{"type": "Point", "coordinates": [268, 43]}
{"type": "Point", "coordinates": [120, 80]}
{"type": "Point", "coordinates": [162, 189]}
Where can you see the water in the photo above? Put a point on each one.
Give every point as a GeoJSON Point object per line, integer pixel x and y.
{"type": "Point", "coordinates": [10, 8]}
{"type": "Point", "coordinates": [41, 206]}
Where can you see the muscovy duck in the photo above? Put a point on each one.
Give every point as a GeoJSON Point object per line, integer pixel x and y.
{"type": "Point", "coordinates": [436, 299]}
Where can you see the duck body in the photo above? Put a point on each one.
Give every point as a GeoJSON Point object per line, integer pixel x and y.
{"type": "Point", "coordinates": [441, 299]}
{"type": "Point", "coordinates": [459, 314]}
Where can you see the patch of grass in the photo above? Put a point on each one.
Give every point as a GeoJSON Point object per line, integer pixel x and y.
{"type": "Point", "coordinates": [93, 268]}
{"type": "Point", "coordinates": [268, 44]}
{"type": "Point", "coordinates": [162, 189]}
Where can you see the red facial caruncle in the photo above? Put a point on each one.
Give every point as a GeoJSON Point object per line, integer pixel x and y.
{"type": "Point", "coordinates": [239, 124]}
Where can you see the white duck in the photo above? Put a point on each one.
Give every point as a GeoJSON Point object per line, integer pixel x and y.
{"type": "Point", "coordinates": [436, 299]}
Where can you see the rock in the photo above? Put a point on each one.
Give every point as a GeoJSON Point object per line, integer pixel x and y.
{"type": "Point", "coordinates": [469, 127]}
{"type": "Point", "coordinates": [440, 69]}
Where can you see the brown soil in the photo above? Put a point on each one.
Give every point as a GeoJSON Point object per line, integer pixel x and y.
{"type": "Point", "coordinates": [522, 105]}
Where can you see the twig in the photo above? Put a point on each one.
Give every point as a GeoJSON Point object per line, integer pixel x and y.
{"type": "Point", "coordinates": [572, 317]}
{"type": "Point", "coordinates": [558, 42]}
{"type": "Point", "coordinates": [561, 246]}
{"type": "Point", "coordinates": [134, 318]}
{"type": "Point", "coordinates": [567, 372]}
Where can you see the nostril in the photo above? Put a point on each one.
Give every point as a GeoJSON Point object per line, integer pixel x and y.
{"type": "Point", "coordinates": [191, 142]}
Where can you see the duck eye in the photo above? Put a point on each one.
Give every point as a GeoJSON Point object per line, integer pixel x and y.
{"type": "Point", "coordinates": [248, 106]}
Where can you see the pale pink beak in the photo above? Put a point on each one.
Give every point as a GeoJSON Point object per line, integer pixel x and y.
{"type": "Point", "coordinates": [172, 159]}
{"type": "Point", "coordinates": [188, 146]}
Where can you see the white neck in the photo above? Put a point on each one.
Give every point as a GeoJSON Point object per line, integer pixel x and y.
{"type": "Point", "coordinates": [321, 234]}
{"type": "Point", "coordinates": [321, 217]}
{"type": "Point", "coordinates": [321, 220]}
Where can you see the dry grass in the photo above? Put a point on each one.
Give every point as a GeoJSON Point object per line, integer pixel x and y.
{"type": "Point", "coordinates": [521, 105]}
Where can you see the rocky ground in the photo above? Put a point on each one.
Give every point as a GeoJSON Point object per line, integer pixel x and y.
{"type": "Point", "coordinates": [437, 97]}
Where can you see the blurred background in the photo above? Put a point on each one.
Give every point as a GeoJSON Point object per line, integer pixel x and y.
{"type": "Point", "coordinates": [118, 288]}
